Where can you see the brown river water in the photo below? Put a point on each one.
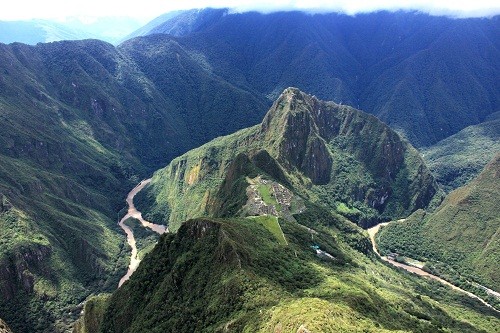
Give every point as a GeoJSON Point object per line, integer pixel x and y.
{"type": "Point", "coordinates": [133, 212]}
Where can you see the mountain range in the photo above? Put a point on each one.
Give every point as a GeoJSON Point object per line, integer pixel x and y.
{"type": "Point", "coordinates": [269, 253]}
{"type": "Point", "coordinates": [109, 29]}
{"type": "Point", "coordinates": [389, 64]}
{"type": "Point", "coordinates": [84, 121]}
{"type": "Point", "coordinates": [81, 123]}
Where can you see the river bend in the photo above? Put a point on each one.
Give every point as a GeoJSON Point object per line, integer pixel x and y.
{"type": "Point", "coordinates": [133, 212]}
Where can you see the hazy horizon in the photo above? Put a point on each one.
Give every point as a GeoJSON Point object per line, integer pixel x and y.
{"type": "Point", "coordinates": [85, 11]}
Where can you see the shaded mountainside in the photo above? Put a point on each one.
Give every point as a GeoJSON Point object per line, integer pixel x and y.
{"type": "Point", "coordinates": [80, 124]}
{"type": "Point", "coordinates": [233, 275]}
{"type": "Point", "coordinates": [335, 155]}
{"type": "Point", "coordinates": [428, 77]}
{"type": "Point", "coordinates": [459, 158]}
{"type": "Point", "coordinates": [461, 238]}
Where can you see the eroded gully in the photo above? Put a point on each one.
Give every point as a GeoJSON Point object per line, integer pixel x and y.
{"type": "Point", "coordinates": [373, 231]}
{"type": "Point", "coordinates": [133, 212]}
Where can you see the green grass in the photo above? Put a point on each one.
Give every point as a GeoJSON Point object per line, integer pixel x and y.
{"type": "Point", "coordinates": [342, 208]}
{"type": "Point", "coordinates": [271, 223]}
{"type": "Point", "coordinates": [268, 197]}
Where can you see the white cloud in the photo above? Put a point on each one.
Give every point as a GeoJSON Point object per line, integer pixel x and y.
{"type": "Point", "coordinates": [148, 9]}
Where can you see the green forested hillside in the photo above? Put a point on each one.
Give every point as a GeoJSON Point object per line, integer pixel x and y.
{"type": "Point", "coordinates": [80, 125]}
{"type": "Point", "coordinates": [459, 158]}
{"type": "Point", "coordinates": [233, 275]}
{"type": "Point", "coordinates": [61, 184]}
{"type": "Point", "coordinates": [83, 121]}
{"type": "Point", "coordinates": [335, 155]}
{"type": "Point", "coordinates": [460, 240]}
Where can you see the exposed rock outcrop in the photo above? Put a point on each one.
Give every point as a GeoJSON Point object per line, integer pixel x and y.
{"type": "Point", "coordinates": [4, 328]}
{"type": "Point", "coordinates": [17, 270]}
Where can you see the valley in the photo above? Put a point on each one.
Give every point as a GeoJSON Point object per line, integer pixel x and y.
{"type": "Point", "coordinates": [273, 141]}
{"type": "Point", "coordinates": [256, 236]}
{"type": "Point", "coordinates": [372, 232]}
{"type": "Point", "coordinates": [133, 212]}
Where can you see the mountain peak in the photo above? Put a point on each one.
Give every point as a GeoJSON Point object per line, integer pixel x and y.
{"type": "Point", "coordinates": [317, 137]}
{"type": "Point", "coordinates": [291, 102]}
{"type": "Point", "coordinates": [295, 97]}
{"type": "Point", "coordinates": [293, 134]}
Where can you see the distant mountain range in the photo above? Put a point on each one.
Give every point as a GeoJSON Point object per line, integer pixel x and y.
{"type": "Point", "coordinates": [427, 77]}
{"type": "Point", "coordinates": [109, 29]}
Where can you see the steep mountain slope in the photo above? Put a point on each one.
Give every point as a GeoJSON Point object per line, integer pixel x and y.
{"type": "Point", "coordinates": [189, 21]}
{"type": "Point", "coordinates": [80, 124]}
{"type": "Point", "coordinates": [234, 275]}
{"type": "Point", "coordinates": [209, 105]}
{"type": "Point", "coordinates": [145, 29]}
{"type": "Point", "coordinates": [335, 155]}
{"type": "Point", "coordinates": [61, 184]}
{"type": "Point", "coordinates": [461, 238]}
{"type": "Point", "coordinates": [459, 158]}
{"type": "Point", "coordinates": [388, 64]}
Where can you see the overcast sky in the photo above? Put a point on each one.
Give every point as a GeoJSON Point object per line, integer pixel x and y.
{"type": "Point", "coordinates": [149, 9]}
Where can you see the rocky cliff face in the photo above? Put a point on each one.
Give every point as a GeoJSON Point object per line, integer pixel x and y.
{"type": "Point", "coordinates": [17, 270]}
{"type": "Point", "coordinates": [348, 152]}
{"type": "Point", "coordinates": [299, 144]}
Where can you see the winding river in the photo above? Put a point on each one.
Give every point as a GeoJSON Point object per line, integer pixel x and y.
{"type": "Point", "coordinates": [373, 231]}
{"type": "Point", "coordinates": [133, 212]}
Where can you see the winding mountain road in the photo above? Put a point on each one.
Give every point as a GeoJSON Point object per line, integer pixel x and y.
{"type": "Point", "coordinates": [373, 231]}
{"type": "Point", "coordinates": [133, 212]}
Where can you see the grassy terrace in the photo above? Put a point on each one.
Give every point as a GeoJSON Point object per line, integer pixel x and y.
{"type": "Point", "coordinates": [271, 223]}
